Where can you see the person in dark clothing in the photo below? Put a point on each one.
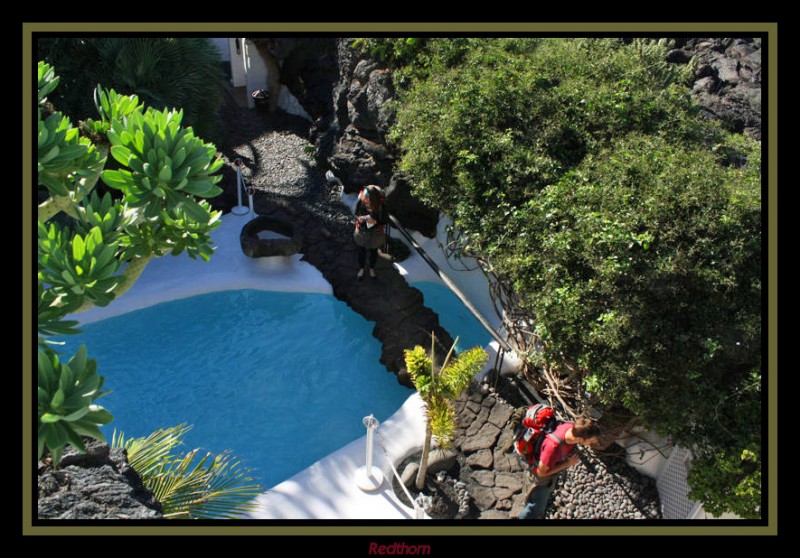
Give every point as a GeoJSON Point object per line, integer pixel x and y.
{"type": "Point", "coordinates": [370, 229]}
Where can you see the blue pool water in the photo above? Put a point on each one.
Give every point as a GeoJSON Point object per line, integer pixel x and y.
{"type": "Point", "coordinates": [280, 379]}
{"type": "Point", "coordinates": [453, 315]}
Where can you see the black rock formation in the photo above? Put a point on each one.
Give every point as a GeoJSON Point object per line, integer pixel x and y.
{"type": "Point", "coordinates": [727, 79]}
{"type": "Point", "coordinates": [411, 212]}
{"type": "Point", "coordinates": [96, 485]}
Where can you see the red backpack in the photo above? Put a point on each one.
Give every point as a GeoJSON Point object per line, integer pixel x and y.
{"type": "Point", "coordinates": [538, 422]}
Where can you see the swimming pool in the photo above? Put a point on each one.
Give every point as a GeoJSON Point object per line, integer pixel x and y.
{"type": "Point", "coordinates": [281, 379]}
{"type": "Point", "coordinates": [453, 315]}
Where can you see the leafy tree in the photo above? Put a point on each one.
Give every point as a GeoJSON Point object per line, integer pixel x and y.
{"type": "Point", "coordinates": [438, 387]}
{"type": "Point", "coordinates": [627, 227]}
{"type": "Point", "coordinates": [397, 51]}
{"type": "Point", "coordinates": [189, 486]}
{"type": "Point", "coordinates": [164, 72]}
{"type": "Point", "coordinates": [92, 249]}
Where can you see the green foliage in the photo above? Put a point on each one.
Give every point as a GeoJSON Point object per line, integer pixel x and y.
{"type": "Point", "coordinates": [416, 58]}
{"type": "Point", "coordinates": [727, 477]}
{"type": "Point", "coordinates": [397, 51]}
{"type": "Point", "coordinates": [163, 72]}
{"type": "Point", "coordinates": [439, 386]}
{"type": "Point", "coordinates": [727, 483]}
{"type": "Point", "coordinates": [629, 227]}
{"type": "Point", "coordinates": [419, 366]}
{"type": "Point", "coordinates": [169, 165]}
{"type": "Point", "coordinates": [98, 246]}
{"type": "Point", "coordinates": [75, 266]}
{"type": "Point", "coordinates": [66, 393]}
{"type": "Point", "coordinates": [111, 107]}
{"type": "Point", "coordinates": [51, 315]}
{"type": "Point", "coordinates": [459, 373]}
{"type": "Point", "coordinates": [190, 486]}
{"type": "Point", "coordinates": [47, 81]}
{"type": "Point", "coordinates": [64, 157]}
{"type": "Point", "coordinates": [441, 416]}
{"type": "Point", "coordinates": [647, 270]}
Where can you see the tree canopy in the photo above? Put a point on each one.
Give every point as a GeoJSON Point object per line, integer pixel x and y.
{"type": "Point", "coordinates": [628, 227]}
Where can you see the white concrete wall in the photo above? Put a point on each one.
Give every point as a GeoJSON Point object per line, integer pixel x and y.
{"type": "Point", "coordinates": [465, 273]}
{"type": "Point", "coordinates": [251, 71]}
{"type": "Point", "coordinates": [698, 512]}
{"type": "Point", "coordinates": [290, 104]}
{"type": "Point", "coordinates": [654, 456]}
{"type": "Point", "coordinates": [647, 452]}
{"type": "Point", "coordinates": [256, 71]}
{"type": "Point", "coordinates": [238, 71]}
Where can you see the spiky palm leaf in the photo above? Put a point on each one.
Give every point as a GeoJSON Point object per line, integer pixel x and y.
{"type": "Point", "coordinates": [441, 416]}
{"type": "Point", "coordinates": [190, 487]}
{"type": "Point", "coordinates": [457, 374]}
{"type": "Point", "coordinates": [438, 386]}
{"type": "Point", "coordinates": [418, 364]}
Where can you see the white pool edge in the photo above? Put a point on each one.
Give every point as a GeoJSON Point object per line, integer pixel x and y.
{"type": "Point", "coordinates": [327, 489]}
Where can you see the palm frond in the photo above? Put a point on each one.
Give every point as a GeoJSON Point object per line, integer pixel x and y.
{"type": "Point", "coordinates": [190, 487]}
{"type": "Point", "coordinates": [442, 419]}
{"type": "Point", "coordinates": [148, 455]}
{"type": "Point", "coordinates": [229, 489]}
{"type": "Point", "coordinates": [165, 72]}
{"type": "Point", "coordinates": [459, 373]}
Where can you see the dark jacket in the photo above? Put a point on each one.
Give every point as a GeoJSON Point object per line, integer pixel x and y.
{"type": "Point", "coordinates": [380, 215]}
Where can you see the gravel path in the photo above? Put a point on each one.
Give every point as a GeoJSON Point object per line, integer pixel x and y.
{"type": "Point", "coordinates": [601, 486]}
{"type": "Point", "coordinates": [278, 158]}
{"type": "Point", "coordinates": [604, 489]}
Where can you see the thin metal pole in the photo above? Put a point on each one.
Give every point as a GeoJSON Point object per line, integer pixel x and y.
{"type": "Point", "coordinates": [452, 286]}
{"type": "Point", "coordinates": [239, 209]}
{"type": "Point", "coordinates": [370, 423]}
{"type": "Point", "coordinates": [419, 511]}
{"type": "Point", "coordinates": [239, 185]}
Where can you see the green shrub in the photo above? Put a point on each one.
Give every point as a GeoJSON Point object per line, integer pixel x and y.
{"type": "Point", "coordinates": [66, 393]}
{"type": "Point", "coordinates": [439, 386]}
{"type": "Point", "coordinates": [164, 72]}
{"type": "Point", "coordinates": [101, 246]}
{"type": "Point", "coordinates": [628, 227]}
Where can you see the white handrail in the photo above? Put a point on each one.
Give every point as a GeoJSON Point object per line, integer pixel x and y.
{"type": "Point", "coordinates": [419, 511]}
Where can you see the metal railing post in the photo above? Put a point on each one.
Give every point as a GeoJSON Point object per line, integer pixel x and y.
{"type": "Point", "coordinates": [419, 511]}
{"type": "Point", "coordinates": [239, 209]}
{"type": "Point", "coordinates": [250, 193]}
{"type": "Point", "coordinates": [367, 477]}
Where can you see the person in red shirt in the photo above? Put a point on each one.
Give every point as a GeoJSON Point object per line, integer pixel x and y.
{"type": "Point", "coordinates": [557, 454]}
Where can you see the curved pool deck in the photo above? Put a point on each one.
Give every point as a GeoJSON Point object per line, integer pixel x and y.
{"type": "Point", "coordinates": [327, 489]}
